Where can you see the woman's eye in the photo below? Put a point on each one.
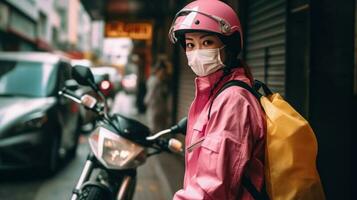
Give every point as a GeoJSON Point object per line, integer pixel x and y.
{"type": "Point", "coordinates": [189, 45]}
{"type": "Point", "coordinates": [207, 42]}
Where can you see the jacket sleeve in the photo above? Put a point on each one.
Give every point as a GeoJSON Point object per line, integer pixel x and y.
{"type": "Point", "coordinates": [225, 151]}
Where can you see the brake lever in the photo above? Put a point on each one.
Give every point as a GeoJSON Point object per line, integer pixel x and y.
{"type": "Point", "coordinates": [157, 135]}
{"type": "Point", "coordinates": [70, 95]}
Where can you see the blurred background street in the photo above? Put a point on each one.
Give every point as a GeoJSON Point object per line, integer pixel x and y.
{"type": "Point", "coordinates": [303, 49]}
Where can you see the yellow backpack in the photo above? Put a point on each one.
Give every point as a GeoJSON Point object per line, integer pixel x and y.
{"type": "Point", "coordinates": [291, 150]}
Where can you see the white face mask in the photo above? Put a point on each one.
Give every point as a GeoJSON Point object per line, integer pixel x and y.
{"type": "Point", "coordinates": [204, 61]}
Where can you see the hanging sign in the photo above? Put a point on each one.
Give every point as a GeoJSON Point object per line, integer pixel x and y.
{"type": "Point", "coordinates": [133, 30]}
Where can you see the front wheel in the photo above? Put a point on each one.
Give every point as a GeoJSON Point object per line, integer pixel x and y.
{"type": "Point", "coordinates": [126, 188]}
{"type": "Point", "coordinates": [95, 192]}
{"type": "Point", "coordinates": [131, 190]}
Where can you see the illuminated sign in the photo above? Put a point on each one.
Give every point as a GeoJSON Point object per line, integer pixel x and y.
{"type": "Point", "coordinates": [133, 30]}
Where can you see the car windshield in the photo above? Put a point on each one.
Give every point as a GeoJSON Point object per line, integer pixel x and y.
{"type": "Point", "coordinates": [30, 79]}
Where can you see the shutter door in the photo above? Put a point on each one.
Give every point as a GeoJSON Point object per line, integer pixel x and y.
{"type": "Point", "coordinates": [265, 42]}
{"type": "Point", "coordinates": [186, 87]}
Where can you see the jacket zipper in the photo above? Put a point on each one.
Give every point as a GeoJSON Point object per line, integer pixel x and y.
{"type": "Point", "coordinates": [194, 145]}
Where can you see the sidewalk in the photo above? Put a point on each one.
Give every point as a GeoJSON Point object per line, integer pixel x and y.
{"type": "Point", "coordinates": [168, 170]}
{"type": "Point", "coordinates": [162, 175]}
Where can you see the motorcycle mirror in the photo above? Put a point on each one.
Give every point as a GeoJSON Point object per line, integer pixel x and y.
{"type": "Point", "coordinates": [83, 75]}
{"type": "Point", "coordinates": [180, 127]}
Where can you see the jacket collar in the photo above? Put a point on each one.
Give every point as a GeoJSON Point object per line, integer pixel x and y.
{"type": "Point", "coordinates": [205, 83]}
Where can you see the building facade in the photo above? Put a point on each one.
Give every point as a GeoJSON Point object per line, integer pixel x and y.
{"type": "Point", "coordinates": [46, 25]}
{"type": "Point", "coordinates": [18, 25]}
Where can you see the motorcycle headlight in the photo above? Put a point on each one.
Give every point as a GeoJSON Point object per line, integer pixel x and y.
{"type": "Point", "coordinates": [115, 151]}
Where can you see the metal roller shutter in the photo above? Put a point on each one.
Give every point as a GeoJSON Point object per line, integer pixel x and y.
{"type": "Point", "coordinates": [265, 42]}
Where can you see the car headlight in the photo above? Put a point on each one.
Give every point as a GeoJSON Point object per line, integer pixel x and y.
{"type": "Point", "coordinates": [32, 124]}
{"type": "Point", "coordinates": [115, 151]}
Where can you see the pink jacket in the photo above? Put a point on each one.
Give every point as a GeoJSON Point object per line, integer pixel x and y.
{"type": "Point", "coordinates": [231, 143]}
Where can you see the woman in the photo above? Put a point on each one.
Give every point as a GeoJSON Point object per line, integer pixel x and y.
{"type": "Point", "coordinates": [227, 145]}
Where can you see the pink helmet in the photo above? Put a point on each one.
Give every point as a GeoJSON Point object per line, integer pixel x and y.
{"type": "Point", "coordinates": [206, 15]}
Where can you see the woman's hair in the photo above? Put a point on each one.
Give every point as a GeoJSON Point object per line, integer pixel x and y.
{"type": "Point", "coordinates": [247, 71]}
{"type": "Point", "coordinates": [233, 49]}
{"type": "Point", "coordinates": [232, 42]}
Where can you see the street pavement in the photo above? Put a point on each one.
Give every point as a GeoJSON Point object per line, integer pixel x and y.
{"type": "Point", "coordinates": [152, 183]}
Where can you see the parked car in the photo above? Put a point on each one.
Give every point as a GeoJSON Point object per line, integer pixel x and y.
{"type": "Point", "coordinates": [82, 62]}
{"type": "Point", "coordinates": [38, 128]}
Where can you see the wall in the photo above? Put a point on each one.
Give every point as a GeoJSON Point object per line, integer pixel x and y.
{"type": "Point", "coordinates": [331, 92]}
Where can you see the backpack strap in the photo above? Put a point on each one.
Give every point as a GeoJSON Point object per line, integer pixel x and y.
{"type": "Point", "coordinates": [234, 83]}
{"type": "Point", "coordinates": [258, 84]}
{"type": "Point", "coordinates": [263, 195]}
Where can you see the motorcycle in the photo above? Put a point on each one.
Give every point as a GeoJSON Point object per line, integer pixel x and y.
{"type": "Point", "coordinates": [119, 145]}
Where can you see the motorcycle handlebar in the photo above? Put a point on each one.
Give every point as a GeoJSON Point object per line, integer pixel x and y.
{"type": "Point", "coordinates": [70, 94]}
{"type": "Point", "coordinates": [86, 100]}
{"type": "Point", "coordinates": [171, 145]}
{"type": "Point", "coordinates": [175, 145]}
{"type": "Point", "coordinates": [180, 127]}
